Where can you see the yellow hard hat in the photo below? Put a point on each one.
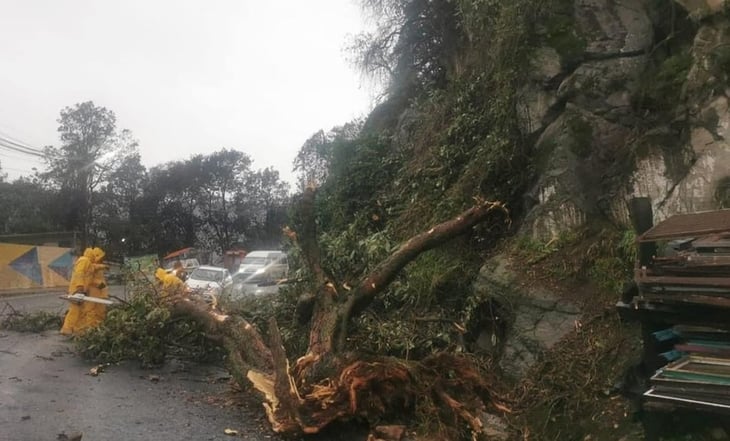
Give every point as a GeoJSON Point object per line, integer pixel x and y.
{"type": "Point", "coordinates": [160, 273]}
{"type": "Point", "coordinates": [98, 254]}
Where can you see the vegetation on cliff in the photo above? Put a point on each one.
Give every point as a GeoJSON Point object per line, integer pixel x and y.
{"type": "Point", "coordinates": [389, 324]}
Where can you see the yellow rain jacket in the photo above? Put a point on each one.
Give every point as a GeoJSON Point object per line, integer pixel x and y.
{"type": "Point", "coordinates": [82, 273]}
{"type": "Point", "coordinates": [92, 314]}
{"type": "Point", "coordinates": [81, 280]}
{"type": "Point", "coordinates": [171, 284]}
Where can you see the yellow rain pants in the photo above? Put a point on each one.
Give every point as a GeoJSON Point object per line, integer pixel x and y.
{"type": "Point", "coordinates": [81, 279]}
{"type": "Point", "coordinates": [92, 314]}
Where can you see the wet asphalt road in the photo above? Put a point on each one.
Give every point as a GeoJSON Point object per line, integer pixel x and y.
{"type": "Point", "coordinates": [46, 390]}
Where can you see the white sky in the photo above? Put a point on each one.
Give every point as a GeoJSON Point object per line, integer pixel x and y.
{"type": "Point", "coordinates": [185, 77]}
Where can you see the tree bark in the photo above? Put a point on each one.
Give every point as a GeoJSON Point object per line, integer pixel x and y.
{"type": "Point", "coordinates": [246, 348]}
{"type": "Point", "coordinates": [332, 309]}
{"type": "Point", "coordinates": [386, 272]}
{"type": "Point", "coordinates": [324, 385]}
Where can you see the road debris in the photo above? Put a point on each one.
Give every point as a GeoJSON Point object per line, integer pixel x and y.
{"type": "Point", "coordinates": [76, 436]}
{"type": "Point", "coordinates": [96, 370]}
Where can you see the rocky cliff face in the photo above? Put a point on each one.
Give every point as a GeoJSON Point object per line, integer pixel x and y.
{"type": "Point", "coordinates": [642, 110]}
{"type": "Point", "coordinates": [631, 101]}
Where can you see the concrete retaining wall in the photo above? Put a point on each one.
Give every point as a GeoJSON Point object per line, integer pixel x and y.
{"type": "Point", "coordinates": [28, 266]}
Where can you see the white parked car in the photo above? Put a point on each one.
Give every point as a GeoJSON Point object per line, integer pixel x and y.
{"type": "Point", "coordinates": [209, 281]}
{"type": "Point", "coordinates": [254, 285]}
{"type": "Point", "coordinates": [272, 264]}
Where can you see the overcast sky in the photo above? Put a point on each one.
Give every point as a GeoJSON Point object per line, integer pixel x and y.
{"type": "Point", "coordinates": [184, 76]}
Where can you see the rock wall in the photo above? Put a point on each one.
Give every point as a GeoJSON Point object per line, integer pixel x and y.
{"type": "Point", "coordinates": [706, 152]}
{"type": "Point", "coordinates": [539, 317]}
{"type": "Point", "coordinates": [596, 147]}
{"type": "Point", "coordinates": [700, 9]}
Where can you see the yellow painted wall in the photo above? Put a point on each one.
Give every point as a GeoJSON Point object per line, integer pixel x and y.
{"type": "Point", "coordinates": [28, 266]}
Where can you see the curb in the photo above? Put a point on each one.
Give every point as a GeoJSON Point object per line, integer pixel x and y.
{"type": "Point", "coordinates": [25, 291]}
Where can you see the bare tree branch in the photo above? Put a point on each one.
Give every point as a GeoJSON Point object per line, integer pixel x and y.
{"type": "Point", "coordinates": [364, 293]}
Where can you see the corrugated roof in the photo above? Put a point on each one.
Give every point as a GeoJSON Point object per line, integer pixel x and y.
{"type": "Point", "coordinates": [177, 253]}
{"type": "Point", "coordinates": [689, 225]}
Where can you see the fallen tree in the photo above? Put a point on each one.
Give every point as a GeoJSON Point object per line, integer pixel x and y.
{"type": "Point", "coordinates": [329, 383]}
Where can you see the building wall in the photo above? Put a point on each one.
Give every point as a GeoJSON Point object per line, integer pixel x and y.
{"type": "Point", "coordinates": [28, 266]}
{"type": "Point", "coordinates": [52, 239]}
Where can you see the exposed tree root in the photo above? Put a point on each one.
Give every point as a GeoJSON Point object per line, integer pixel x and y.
{"type": "Point", "coordinates": [443, 387]}
{"type": "Point", "coordinates": [326, 384]}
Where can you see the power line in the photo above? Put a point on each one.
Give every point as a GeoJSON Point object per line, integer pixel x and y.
{"type": "Point", "coordinates": [17, 142]}
{"type": "Point", "coordinates": [15, 145]}
{"type": "Point", "coordinates": [17, 170]}
{"type": "Point", "coordinates": [26, 158]}
{"type": "Point", "coordinates": [9, 146]}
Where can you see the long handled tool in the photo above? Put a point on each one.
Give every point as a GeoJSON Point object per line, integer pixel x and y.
{"type": "Point", "coordinates": [79, 297]}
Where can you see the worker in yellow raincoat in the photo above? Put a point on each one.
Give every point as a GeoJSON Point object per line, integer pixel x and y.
{"type": "Point", "coordinates": [171, 285]}
{"type": "Point", "coordinates": [81, 279]}
{"type": "Point", "coordinates": [92, 314]}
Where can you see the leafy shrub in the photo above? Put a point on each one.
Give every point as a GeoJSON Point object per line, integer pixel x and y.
{"type": "Point", "coordinates": [30, 322]}
{"type": "Point", "coordinates": [142, 329]}
{"type": "Point", "coordinates": [662, 84]}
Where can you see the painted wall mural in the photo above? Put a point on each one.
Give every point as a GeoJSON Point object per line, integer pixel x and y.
{"type": "Point", "coordinates": [28, 266]}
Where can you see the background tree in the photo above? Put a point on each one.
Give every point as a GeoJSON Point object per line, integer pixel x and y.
{"type": "Point", "coordinates": [223, 177]}
{"type": "Point", "coordinates": [89, 151]}
{"type": "Point", "coordinates": [415, 44]}
{"type": "Point", "coordinates": [97, 185]}
{"type": "Point", "coordinates": [264, 205]}
{"type": "Point", "coordinates": [313, 159]}
{"type": "Point", "coordinates": [211, 201]}
{"type": "Point", "coordinates": [27, 207]}
{"type": "Point", "coordinates": [114, 202]}
{"type": "Point", "coordinates": [167, 213]}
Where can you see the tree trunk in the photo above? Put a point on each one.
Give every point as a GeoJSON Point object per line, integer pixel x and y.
{"type": "Point", "coordinates": [325, 385]}
{"type": "Point", "coordinates": [333, 309]}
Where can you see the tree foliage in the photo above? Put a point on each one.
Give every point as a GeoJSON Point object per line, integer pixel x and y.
{"type": "Point", "coordinates": [143, 329]}
{"type": "Point", "coordinates": [215, 201]}
{"type": "Point", "coordinates": [314, 157]}
{"type": "Point", "coordinates": [414, 45]}
{"type": "Point", "coordinates": [96, 184]}
{"type": "Point", "coordinates": [264, 203]}
{"type": "Point", "coordinates": [455, 138]}
{"type": "Point", "coordinates": [90, 148]}
{"type": "Point", "coordinates": [27, 207]}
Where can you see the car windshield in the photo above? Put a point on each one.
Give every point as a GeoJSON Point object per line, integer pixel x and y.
{"type": "Point", "coordinates": [252, 278]}
{"type": "Point", "coordinates": [207, 275]}
{"type": "Point", "coordinates": [253, 260]}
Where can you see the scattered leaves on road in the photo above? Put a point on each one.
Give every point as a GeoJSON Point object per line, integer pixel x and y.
{"type": "Point", "coordinates": [14, 320]}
